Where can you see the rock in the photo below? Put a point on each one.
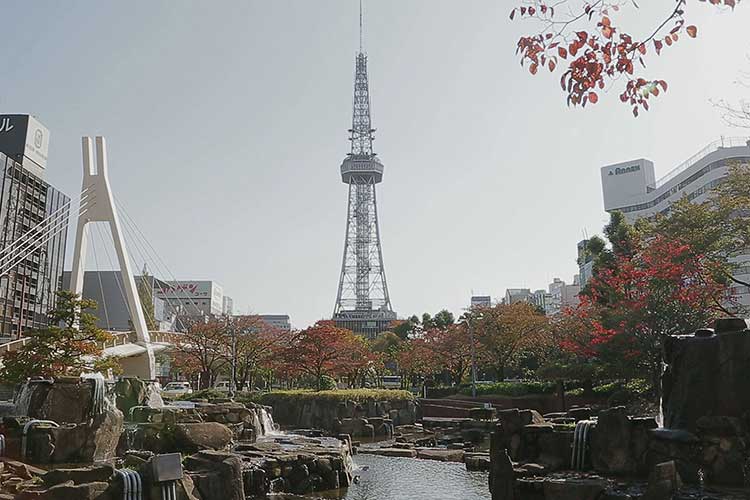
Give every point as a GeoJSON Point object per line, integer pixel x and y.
{"type": "Point", "coordinates": [202, 436]}
{"type": "Point", "coordinates": [69, 491]}
{"type": "Point", "coordinates": [94, 473]}
{"type": "Point", "coordinates": [574, 489]}
{"type": "Point", "coordinates": [477, 461]}
{"type": "Point", "coordinates": [579, 413]}
{"type": "Point", "coordinates": [389, 452]}
{"type": "Point", "coordinates": [502, 479]}
{"type": "Point", "coordinates": [706, 376]}
{"type": "Point", "coordinates": [440, 455]}
{"type": "Point", "coordinates": [663, 481]}
{"type": "Point", "coordinates": [20, 469]}
{"type": "Point", "coordinates": [610, 443]}
{"type": "Point", "coordinates": [216, 474]}
{"type": "Point", "coordinates": [481, 413]}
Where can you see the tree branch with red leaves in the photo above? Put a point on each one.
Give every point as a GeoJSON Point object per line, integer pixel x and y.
{"type": "Point", "coordinates": [584, 38]}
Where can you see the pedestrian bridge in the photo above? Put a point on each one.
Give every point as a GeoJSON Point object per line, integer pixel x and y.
{"type": "Point", "coordinates": [122, 345]}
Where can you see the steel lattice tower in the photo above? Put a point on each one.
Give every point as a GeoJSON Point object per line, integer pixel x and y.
{"type": "Point", "coordinates": [362, 303]}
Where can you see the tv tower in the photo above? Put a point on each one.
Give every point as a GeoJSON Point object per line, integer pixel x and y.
{"type": "Point", "coordinates": [362, 303]}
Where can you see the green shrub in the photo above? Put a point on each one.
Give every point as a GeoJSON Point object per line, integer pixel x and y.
{"type": "Point", "coordinates": [269, 398]}
{"type": "Point", "coordinates": [327, 383]}
{"type": "Point", "coordinates": [203, 394]}
{"type": "Point", "coordinates": [512, 389]}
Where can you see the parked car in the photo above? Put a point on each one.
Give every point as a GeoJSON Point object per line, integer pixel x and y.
{"type": "Point", "coordinates": [222, 386]}
{"type": "Point", "coordinates": [176, 389]}
{"type": "Point", "coordinates": [391, 381]}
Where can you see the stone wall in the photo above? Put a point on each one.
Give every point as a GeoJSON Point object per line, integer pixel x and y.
{"type": "Point", "coordinates": [366, 418]}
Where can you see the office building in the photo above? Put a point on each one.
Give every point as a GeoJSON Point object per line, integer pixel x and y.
{"type": "Point", "coordinates": [481, 301]}
{"type": "Point", "coordinates": [632, 188]}
{"type": "Point", "coordinates": [106, 289]}
{"type": "Point", "coordinates": [33, 228]}
{"type": "Point", "coordinates": [280, 321]}
{"type": "Point", "coordinates": [227, 305]}
{"type": "Point", "coordinates": [513, 295]}
{"type": "Point", "coordinates": [193, 298]}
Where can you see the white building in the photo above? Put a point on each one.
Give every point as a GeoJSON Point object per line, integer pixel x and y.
{"type": "Point", "coordinates": [632, 188]}
{"type": "Point", "coordinates": [193, 298]}
{"type": "Point", "coordinates": [227, 305]}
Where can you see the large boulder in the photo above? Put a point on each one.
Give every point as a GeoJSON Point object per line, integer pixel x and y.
{"type": "Point", "coordinates": [619, 443]}
{"type": "Point", "coordinates": [201, 436]}
{"type": "Point", "coordinates": [706, 375]}
{"type": "Point", "coordinates": [216, 474]}
{"type": "Point", "coordinates": [502, 478]}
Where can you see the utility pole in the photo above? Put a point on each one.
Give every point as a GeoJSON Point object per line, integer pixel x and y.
{"type": "Point", "coordinates": [233, 376]}
{"type": "Point", "coordinates": [473, 358]}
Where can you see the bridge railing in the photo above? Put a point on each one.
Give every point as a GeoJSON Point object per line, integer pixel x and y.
{"type": "Point", "coordinates": [118, 339]}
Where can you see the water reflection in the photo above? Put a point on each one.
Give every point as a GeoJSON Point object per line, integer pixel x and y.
{"type": "Point", "coordinates": [386, 478]}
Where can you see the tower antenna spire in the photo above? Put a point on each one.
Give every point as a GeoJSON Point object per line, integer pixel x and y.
{"type": "Point", "coordinates": [361, 29]}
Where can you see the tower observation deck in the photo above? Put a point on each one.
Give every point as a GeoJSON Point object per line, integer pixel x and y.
{"type": "Point", "coordinates": [362, 302]}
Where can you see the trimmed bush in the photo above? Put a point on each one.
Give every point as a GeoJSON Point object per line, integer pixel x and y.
{"type": "Point", "coordinates": [269, 398]}
{"type": "Point", "coordinates": [512, 389]}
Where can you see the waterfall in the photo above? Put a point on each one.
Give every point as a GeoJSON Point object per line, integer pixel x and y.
{"type": "Point", "coordinates": [267, 423]}
{"type": "Point", "coordinates": [2, 445]}
{"type": "Point", "coordinates": [153, 395]}
{"type": "Point", "coordinates": [581, 437]}
{"type": "Point", "coordinates": [23, 399]}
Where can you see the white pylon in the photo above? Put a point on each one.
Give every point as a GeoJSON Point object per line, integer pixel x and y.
{"type": "Point", "coordinates": [97, 205]}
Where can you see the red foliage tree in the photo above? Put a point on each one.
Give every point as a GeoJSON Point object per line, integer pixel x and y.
{"type": "Point", "coordinates": [583, 37]}
{"type": "Point", "coordinates": [663, 288]}
{"type": "Point", "coordinates": [323, 349]}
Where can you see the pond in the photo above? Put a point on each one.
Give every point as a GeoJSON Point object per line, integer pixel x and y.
{"type": "Point", "coordinates": [388, 478]}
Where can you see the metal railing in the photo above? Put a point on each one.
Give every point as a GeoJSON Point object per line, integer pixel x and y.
{"type": "Point", "coordinates": [724, 142]}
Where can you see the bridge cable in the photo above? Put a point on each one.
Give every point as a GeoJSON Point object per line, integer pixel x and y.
{"type": "Point", "coordinates": [112, 266]}
{"type": "Point", "coordinates": [143, 237]}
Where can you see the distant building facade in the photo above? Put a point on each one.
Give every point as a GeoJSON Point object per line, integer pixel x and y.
{"type": "Point", "coordinates": [227, 306]}
{"type": "Point", "coordinates": [632, 188]}
{"type": "Point", "coordinates": [514, 295]}
{"type": "Point", "coordinates": [481, 301]}
{"type": "Point", "coordinates": [106, 288]}
{"type": "Point", "coordinates": [193, 297]}
{"type": "Point", "coordinates": [280, 321]}
{"type": "Point", "coordinates": [33, 228]}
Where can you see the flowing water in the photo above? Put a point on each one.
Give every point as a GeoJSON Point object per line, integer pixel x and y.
{"type": "Point", "coordinates": [388, 478]}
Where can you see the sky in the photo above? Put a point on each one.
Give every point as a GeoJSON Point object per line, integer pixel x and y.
{"type": "Point", "coordinates": [227, 123]}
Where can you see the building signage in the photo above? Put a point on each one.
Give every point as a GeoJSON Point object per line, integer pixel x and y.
{"type": "Point", "coordinates": [625, 170]}
{"type": "Point", "coordinates": [22, 137]}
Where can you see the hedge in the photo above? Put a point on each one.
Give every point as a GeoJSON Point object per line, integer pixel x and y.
{"type": "Point", "coordinates": [269, 398]}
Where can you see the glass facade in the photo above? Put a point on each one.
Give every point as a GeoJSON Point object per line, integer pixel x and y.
{"type": "Point", "coordinates": [30, 277]}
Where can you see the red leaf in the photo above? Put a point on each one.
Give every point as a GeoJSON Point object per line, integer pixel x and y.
{"type": "Point", "coordinates": [692, 31]}
{"type": "Point", "coordinates": [593, 98]}
{"type": "Point", "coordinates": [562, 52]}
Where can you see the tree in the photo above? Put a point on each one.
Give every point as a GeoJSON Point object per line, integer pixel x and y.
{"type": "Point", "coordinates": [406, 328]}
{"type": "Point", "coordinates": [70, 346]}
{"type": "Point", "coordinates": [506, 331]}
{"type": "Point", "coordinates": [663, 288]}
{"type": "Point", "coordinates": [717, 230]}
{"type": "Point", "coordinates": [415, 361]}
{"type": "Point", "coordinates": [322, 350]}
{"type": "Point", "coordinates": [451, 350]}
{"type": "Point", "coordinates": [256, 343]}
{"type": "Point", "coordinates": [145, 294]}
{"type": "Point", "coordinates": [204, 348]}
{"type": "Point", "coordinates": [584, 39]}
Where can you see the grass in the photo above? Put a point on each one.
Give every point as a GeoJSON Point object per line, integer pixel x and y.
{"type": "Point", "coordinates": [336, 396]}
